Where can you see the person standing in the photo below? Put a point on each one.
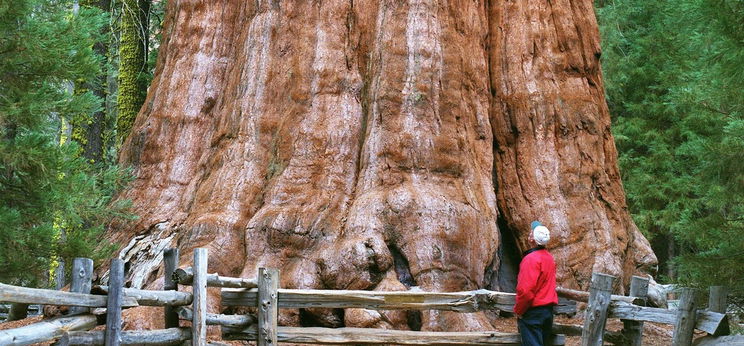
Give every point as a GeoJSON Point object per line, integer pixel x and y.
{"type": "Point", "coordinates": [536, 293]}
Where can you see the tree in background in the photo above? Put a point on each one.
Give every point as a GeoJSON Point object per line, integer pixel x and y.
{"type": "Point", "coordinates": [46, 186]}
{"type": "Point", "coordinates": [133, 69]}
{"type": "Point", "coordinates": [675, 87]}
{"type": "Point", "coordinates": [89, 130]}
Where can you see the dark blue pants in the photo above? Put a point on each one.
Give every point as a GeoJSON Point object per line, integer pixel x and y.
{"type": "Point", "coordinates": [535, 324]}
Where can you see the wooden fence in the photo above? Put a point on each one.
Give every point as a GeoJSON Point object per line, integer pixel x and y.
{"type": "Point", "coordinates": [264, 294]}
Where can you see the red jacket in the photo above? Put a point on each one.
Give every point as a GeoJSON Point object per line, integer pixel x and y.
{"type": "Point", "coordinates": [536, 281]}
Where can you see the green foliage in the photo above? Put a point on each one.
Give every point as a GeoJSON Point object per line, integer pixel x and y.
{"type": "Point", "coordinates": [675, 86]}
{"type": "Point", "coordinates": [52, 202]}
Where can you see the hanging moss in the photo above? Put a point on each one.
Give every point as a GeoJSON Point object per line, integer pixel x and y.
{"type": "Point", "coordinates": [132, 64]}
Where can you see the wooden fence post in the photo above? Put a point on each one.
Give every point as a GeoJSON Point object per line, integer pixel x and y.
{"type": "Point", "coordinates": [199, 323]}
{"type": "Point", "coordinates": [717, 299]}
{"type": "Point", "coordinates": [685, 323]}
{"type": "Point", "coordinates": [633, 330]}
{"type": "Point", "coordinates": [17, 311]}
{"type": "Point", "coordinates": [113, 306]}
{"type": "Point", "coordinates": [82, 273]}
{"type": "Point", "coordinates": [170, 263]}
{"type": "Point", "coordinates": [596, 313]}
{"type": "Point", "coordinates": [59, 275]}
{"type": "Point", "coordinates": [268, 285]}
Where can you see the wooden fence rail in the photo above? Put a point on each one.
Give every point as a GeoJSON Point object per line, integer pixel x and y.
{"type": "Point", "coordinates": [707, 321]}
{"type": "Point", "coordinates": [170, 336]}
{"type": "Point", "coordinates": [317, 335]}
{"type": "Point", "coordinates": [71, 330]}
{"type": "Point", "coordinates": [9, 293]}
{"type": "Point", "coordinates": [234, 321]}
{"type": "Point", "coordinates": [685, 319]}
{"type": "Point", "coordinates": [151, 298]}
{"type": "Point", "coordinates": [185, 276]}
{"type": "Point", "coordinates": [470, 301]}
{"type": "Point", "coordinates": [264, 294]}
{"type": "Point", "coordinates": [46, 330]}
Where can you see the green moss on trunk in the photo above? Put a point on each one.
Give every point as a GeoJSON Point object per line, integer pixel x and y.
{"type": "Point", "coordinates": [132, 64]}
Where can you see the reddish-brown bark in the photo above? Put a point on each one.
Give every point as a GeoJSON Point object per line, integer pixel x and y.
{"type": "Point", "coordinates": [377, 145]}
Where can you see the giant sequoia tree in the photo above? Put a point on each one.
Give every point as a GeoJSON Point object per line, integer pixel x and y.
{"type": "Point", "coordinates": [378, 145]}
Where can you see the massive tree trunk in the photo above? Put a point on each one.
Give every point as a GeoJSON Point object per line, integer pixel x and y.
{"type": "Point", "coordinates": [378, 145]}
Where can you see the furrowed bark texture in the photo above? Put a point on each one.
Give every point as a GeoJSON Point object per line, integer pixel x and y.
{"type": "Point", "coordinates": [375, 145]}
{"type": "Point", "coordinates": [554, 154]}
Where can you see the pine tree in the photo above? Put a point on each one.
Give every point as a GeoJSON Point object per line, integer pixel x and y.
{"type": "Point", "coordinates": [46, 186]}
{"type": "Point", "coordinates": [674, 85]}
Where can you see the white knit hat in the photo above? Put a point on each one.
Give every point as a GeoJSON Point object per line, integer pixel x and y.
{"type": "Point", "coordinates": [540, 233]}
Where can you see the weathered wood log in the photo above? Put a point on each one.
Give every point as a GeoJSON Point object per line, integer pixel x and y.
{"type": "Point", "coordinates": [469, 301]}
{"type": "Point", "coordinates": [565, 306]}
{"type": "Point", "coordinates": [199, 321]}
{"type": "Point", "coordinates": [113, 308]}
{"type": "Point", "coordinates": [170, 264]}
{"type": "Point", "coordinates": [17, 311]}
{"type": "Point", "coordinates": [185, 276]}
{"type": "Point", "coordinates": [684, 325]}
{"type": "Point", "coordinates": [82, 273]}
{"type": "Point", "coordinates": [268, 285]}
{"type": "Point", "coordinates": [170, 336]}
{"type": "Point", "coordinates": [583, 296]}
{"type": "Point", "coordinates": [717, 301]}
{"type": "Point", "coordinates": [59, 272]}
{"type": "Point", "coordinates": [633, 330]}
{"type": "Point", "coordinates": [46, 330]}
{"type": "Point", "coordinates": [728, 340]}
{"type": "Point", "coordinates": [233, 321]}
{"type": "Point", "coordinates": [572, 330]}
{"type": "Point", "coordinates": [707, 321]}
{"type": "Point", "coordinates": [152, 298]}
{"type": "Point", "coordinates": [315, 335]}
{"type": "Point", "coordinates": [596, 314]}
{"type": "Point", "coordinates": [16, 294]}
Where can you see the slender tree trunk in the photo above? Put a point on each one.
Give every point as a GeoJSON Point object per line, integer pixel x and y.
{"type": "Point", "coordinates": [375, 145]}
{"type": "Point", "coordinates": [88, 129]}
{"type": "Point", "coordinates": [132, 80]}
